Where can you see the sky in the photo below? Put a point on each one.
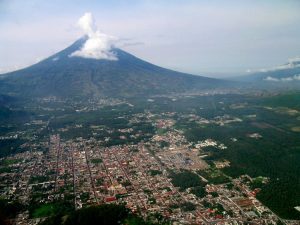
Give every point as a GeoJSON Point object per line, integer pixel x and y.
{"type": "Point", "coordinates": [205, 37]}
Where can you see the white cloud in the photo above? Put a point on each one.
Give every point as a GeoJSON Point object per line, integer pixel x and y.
{"type": "Point", "coordinates": [295, 60]}
{"type": "Point", "coordinates": [271, 79]}
{"type": "Point", "coordinates": [98, 45]}
{"type": "Point", "coordinates": [171, 36]}
{"type": "Point", "coordinates": [297, 77]}
{"type": "Point", "coordinates": [292, 63]}
{"type": "Point", "coordinates": [285, 79]}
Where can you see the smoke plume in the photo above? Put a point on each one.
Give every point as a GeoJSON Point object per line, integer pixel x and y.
{"type": "Point", "coordinates": [98, 45]}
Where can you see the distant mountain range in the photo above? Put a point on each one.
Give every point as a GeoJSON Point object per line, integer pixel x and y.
{"type": "Point", "coordinates": [64, 76]}
{"type": "Point", "coordinates": [287, 75]}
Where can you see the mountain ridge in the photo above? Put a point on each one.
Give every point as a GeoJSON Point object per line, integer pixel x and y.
{"type": "Point", "coordinates": [286, 72]}
{"type": "Point", "coordinates": [64, 75]}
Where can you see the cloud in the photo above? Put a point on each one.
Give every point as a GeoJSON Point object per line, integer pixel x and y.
{"type": "Point", "coordinates": [98, 45]}
{"type": "Point", "coordinates": [292, 63]}
{"type": "Point", "coordinates": [87, 24]}
{"type": "Point", "coordinates": [269, 78]}
{"type": "Point", "coordinates": [285, 79]}
{"type": "Point", "coordinates": [295, 61]}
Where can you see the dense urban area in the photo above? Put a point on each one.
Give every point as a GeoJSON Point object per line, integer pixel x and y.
{"type": "Point", "coordinates": [190, 159]}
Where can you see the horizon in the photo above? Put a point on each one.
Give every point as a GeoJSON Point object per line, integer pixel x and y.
{"type": "Point", "coordinates": [225, 40]}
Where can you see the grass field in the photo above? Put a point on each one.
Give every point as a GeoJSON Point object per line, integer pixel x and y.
{"type": "Point", "coordinates": [44, 211]}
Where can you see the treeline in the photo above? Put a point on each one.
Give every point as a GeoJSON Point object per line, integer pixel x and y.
{"type": "Point", "coordinates": [107, 214]}
{"type": "Point", "coordinates": [9, 210]}
{"type": "Point", "coordinates": [185, 179]}
{"type": "Point", "coordinates": [276, 154]}
{"type": "Point", "coordinates": [282, 195]}
{"type": "Point", "coordinates": [11, 146]}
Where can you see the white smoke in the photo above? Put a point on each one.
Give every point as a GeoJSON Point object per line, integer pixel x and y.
{"type": "Point", "coordinates": [98, 45]}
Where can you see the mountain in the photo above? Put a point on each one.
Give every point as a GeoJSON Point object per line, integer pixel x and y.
{"type": "Point", "coordinates": [64, 76]}
{"type": "Point", "coordinates": [287, 75]}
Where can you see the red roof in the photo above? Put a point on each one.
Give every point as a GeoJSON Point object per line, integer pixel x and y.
{"type": "Point", "coordinates": [219, 216]}
{"type": "Point", "coordinates": [110, 199]}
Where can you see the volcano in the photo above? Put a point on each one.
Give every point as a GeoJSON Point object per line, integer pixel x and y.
{"type": "Point", "coordinates": [65, 76]}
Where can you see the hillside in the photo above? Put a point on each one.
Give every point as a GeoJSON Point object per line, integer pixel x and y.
{"type": "Point", "coordinates": [64, 76]}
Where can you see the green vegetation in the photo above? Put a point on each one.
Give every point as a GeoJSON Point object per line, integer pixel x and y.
{"type": "Point", "coordinates": [214, 194]}
{"type": "Point", "coordinates": [6, 169]}
{"type": "Point", "coordinates": [99, 181]}
{"type": "Point", "coordinates": [11, 146]}
{"type": "Point", "coordinates": [276, 155]}
{"type": "Point", "coordinates": [161, 131]}
{"type": "Point", "coordinates": [290, 100]}
{"type": "Point", "coordinates": [229, 186]}
{"type": "Point", "coordinates": [9, 116]}
{"type": "Point", "coordinates": [84, 196]}
{"type": "Point", "coordinates": [147, 191]}
{"type": "Point", "coordinates": [185, 179]}
{"type": "Point", "coordinates": [164, 144]}
{"type": "Point", "coordinates": [258, 182]}
{"type": "Point", "coordinates": [108, 214]}
{"type": "Point", "coordinates": [50, 209]}
{"type": "Point", "coordinates": [126, 183]}
{"type": "Point", "coordinates": [280, 195]}
{"type": "Point", "coordinates": [214, 175]}
{"type": "Point", "coordinates": [152, 200]}
{"type": "Point", "coordinates": [218, 209]}
{"type": "Point", "coordinates": [7, 162]}
{"type": "Point", "coordinates": [9, 209]}
{"type": "Point", "coordinates": [105, 120]}
{"type": "Point", "coordinates": [187, 206]}
{"type": "Point", "coordinates": [155, 172]}
{"type": "Point", "coordinates": [199, 191]}
{"type": "Point", "coordinates": [44, 211]}
{"type": "Point", "coordinates": [96, 161]}
{"type": "Point", "coordinates": [38, 179]}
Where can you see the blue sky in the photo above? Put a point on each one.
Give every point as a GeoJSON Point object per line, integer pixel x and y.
{"type": "Point", "coordinates": [201, 37]}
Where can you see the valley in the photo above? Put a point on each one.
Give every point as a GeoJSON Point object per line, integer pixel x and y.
{"type": "Point", "coordinates": [240, 152]}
